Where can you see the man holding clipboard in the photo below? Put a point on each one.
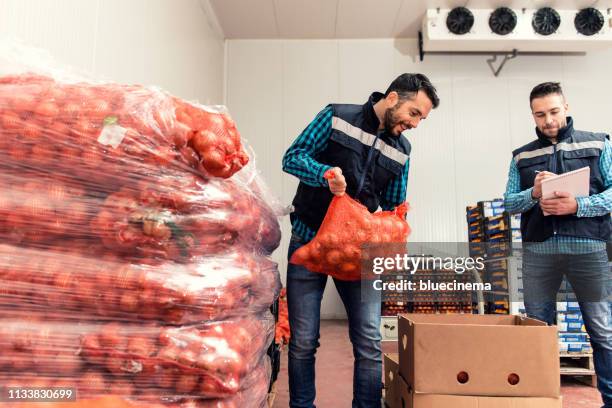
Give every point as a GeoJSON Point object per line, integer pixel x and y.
{"type": "Point", "coordinates": [576, 183]}
{"type": "Point", "coordinates": [565, 230]}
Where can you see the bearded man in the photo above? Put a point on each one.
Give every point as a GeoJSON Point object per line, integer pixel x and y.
{"type": "Point", "coordinates": [365, 147]}
{"type": "Point", "coordinates": [566, 236]}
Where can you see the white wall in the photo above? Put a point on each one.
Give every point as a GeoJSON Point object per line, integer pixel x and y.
{"type": "Point", "coordinates": [460, 153]}
{"type": "Point", "coordinates": [168, 43]}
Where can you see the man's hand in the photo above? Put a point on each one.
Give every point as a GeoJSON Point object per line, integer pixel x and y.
{"type": "Point", "coordinates": [337, 183]}
{"type": "Point", "coordinates": [537, 184]}
{"type": "Point", "coordinates": [563, 204]}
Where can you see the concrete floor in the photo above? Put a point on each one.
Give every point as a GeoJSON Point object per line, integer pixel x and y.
{"type": "Point", "coordinates": [335, 374]}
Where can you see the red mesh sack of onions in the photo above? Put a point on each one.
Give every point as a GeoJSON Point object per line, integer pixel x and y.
{"type": "Point", "coordinates": [213, 360]}
{"type": "Point", "coordinates": [87, 286]}
{"type": "Point", "coordinates": [336, 250]}
{"type": "Point", "coordinates": [111, 133]}
{"type": "Point", "coordinates": [186, 217]}
{"type": "Point", "coordinates": [173, 216]}
{"type": "Point", "coordinates": [101, 390]}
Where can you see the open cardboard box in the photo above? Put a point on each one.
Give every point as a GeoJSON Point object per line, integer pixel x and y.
{"type": "Point", "coordinates": [410, 399]}
{"type": "Point", "coordinates": [489, 355]}
{"type": "Point", "coordinates": [392, 380]}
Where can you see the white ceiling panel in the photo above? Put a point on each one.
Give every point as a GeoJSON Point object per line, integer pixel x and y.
{"type": "Point", "coordinates": [408, 22]}
{"type": "Point", "coordinates": [310, 19]}
{"type": "Point", "coordinates": [306, 18]}
{"type": "Point", "coordinates": [367, 18]}
{"type": "Point", "coordinates": [246, 18]}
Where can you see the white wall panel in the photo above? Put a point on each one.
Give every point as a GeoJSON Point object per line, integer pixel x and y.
{"type": "Point", "coordinates": [364, 66]}
{"type": "Point", "coordinates": [588, 87]}
{"type": "Point", "coordinates": [258, 113]}
{"type": "Point", "coordinates": [589, 104]}
{"type": "Point", "coordinates": [161, 42]}
{"type": "Point", "coordinates": [255, 98]}
{"type": "Point", "coordinates": [432, 161]}
{"type": "Point", "coordinates": [523, 73]}
{"type": "Point", "coordinates": [432, 177]}
{"type": "Point", "coordinates": [67, 28]}
{"type": "Point", "coordinates": [482, 134]}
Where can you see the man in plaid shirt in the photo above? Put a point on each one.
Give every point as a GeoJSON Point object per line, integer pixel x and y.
{"type": "Point", "coordinates": [365, 147]}
{"type": "Point", "coordinates": [571, 239]}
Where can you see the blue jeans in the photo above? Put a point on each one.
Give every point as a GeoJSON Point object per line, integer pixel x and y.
{"type": "Point", "coordinates": [304, 294]}
{"type": "Point", "coordinates": [589, 276]}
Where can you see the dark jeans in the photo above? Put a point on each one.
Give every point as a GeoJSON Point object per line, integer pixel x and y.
{"type": "Point", "coordinates": [589, 275]}
{"type": "Point", "coordinates": [304, 294]}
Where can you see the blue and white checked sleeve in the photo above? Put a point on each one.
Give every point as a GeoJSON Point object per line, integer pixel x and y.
{"type": "Point", "coordinates": [515, 200]}
{"type": "Point", "coordinates": [599, 204]}
{"type": "Point", "coordinates": [299, 158]}
{"type": "Point", "coordinates": [395, 192]}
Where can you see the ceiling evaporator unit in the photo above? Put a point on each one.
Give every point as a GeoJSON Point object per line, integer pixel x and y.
{"type": "Point", "coordinates": [510, 32]}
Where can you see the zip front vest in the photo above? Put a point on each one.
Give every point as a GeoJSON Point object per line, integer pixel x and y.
{"type": "Point", "coordinates": [369, 159]}
{"type": "Point", "coordinates": [575, 149]}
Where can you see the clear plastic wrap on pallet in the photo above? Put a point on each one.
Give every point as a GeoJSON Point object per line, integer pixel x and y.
{"type": "Point", "coordinates": [89, 285]}
{"type": "Point", "coordinates": [120, 395]}
{"type": "Point", "coordinates": [112, 133]}
{"type": "Point", "coordinates": [254, 396]}
{"type": "Point", "coordinates": [141, 170]}
{"type": "Point", "coordinates": [171, 217]}
{"type": "Point", "coordinates": [212, 360]}
{"type": "Point", "coordinates": [134, 230]}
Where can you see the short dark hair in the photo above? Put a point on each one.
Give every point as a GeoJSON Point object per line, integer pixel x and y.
{"type": "Point", "coordinates": [545, 88]}
{"type": "Point", "coordinates": [407, 85]}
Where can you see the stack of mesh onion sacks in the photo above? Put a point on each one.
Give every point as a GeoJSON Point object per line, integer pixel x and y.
{"type": "Point", "coordinates": [134, 242]}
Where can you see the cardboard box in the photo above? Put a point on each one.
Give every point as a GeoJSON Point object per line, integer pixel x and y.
{"type": "Point", "coordinates": [575, 347]}
{"type": "Point", "coordinates": [568, 307]}
{"type": "Point", "coordinates": [573, 337]}
{"type": "Point", "coordinates": [409, 399]}
{"type": "Point", "coordinates": [392, 380]}
{"type": "Point", "coordinates": [488, 355]}
{"type": "Point", "coordinates": [569, 317]}
{"type": "Point", "coordinates": [574, 327]}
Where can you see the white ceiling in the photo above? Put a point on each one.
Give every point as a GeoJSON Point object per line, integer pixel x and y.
{"type": "Point", "coordinates": [312, 19]}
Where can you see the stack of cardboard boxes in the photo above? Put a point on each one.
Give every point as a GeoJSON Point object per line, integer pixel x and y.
{"type": "Point", "coordinates": [572, 333]}
{"type": "Point", "coordinates": [515, 228]}
{"type": "Point", "coordinates": [490, 236]}
{"type": "Point", "coordinates": [473, 361]}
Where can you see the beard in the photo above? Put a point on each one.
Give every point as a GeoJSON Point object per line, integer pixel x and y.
{"type": "Point", "coordinates": [390, 121]}
{"type": "Point", "coordinates": [553, 130]}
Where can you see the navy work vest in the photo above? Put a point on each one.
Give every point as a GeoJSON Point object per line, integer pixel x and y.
{"type": "Point", "coordinates": [368, 159]}
{"type": "Point", "coordinates": [574, 149]}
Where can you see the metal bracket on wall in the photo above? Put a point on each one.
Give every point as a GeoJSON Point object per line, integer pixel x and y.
{"type": "Point", "coordinates": [494, 54]}
{"type": "Point", "coordinates": [507, 57]}
{"type": "Point", "coordinates": [421, 50]}
{"type": "Point", "coordinates": [490, 61]}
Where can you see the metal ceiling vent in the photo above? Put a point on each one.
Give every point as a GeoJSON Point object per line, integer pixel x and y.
{"type": "Point", "coordinates": [502, 21]}
{"type": "Point", "coordinates": [589, 21]}
{"type": "Point", "coordinates": [506, 34]}
{"type": "Point", "coordinates": [546, 21]}
{"type": "Point", "coordinates": [460, 21]}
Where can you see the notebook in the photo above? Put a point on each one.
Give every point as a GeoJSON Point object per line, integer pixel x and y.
{"type": "Point", "coordinates": [575, 182]}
